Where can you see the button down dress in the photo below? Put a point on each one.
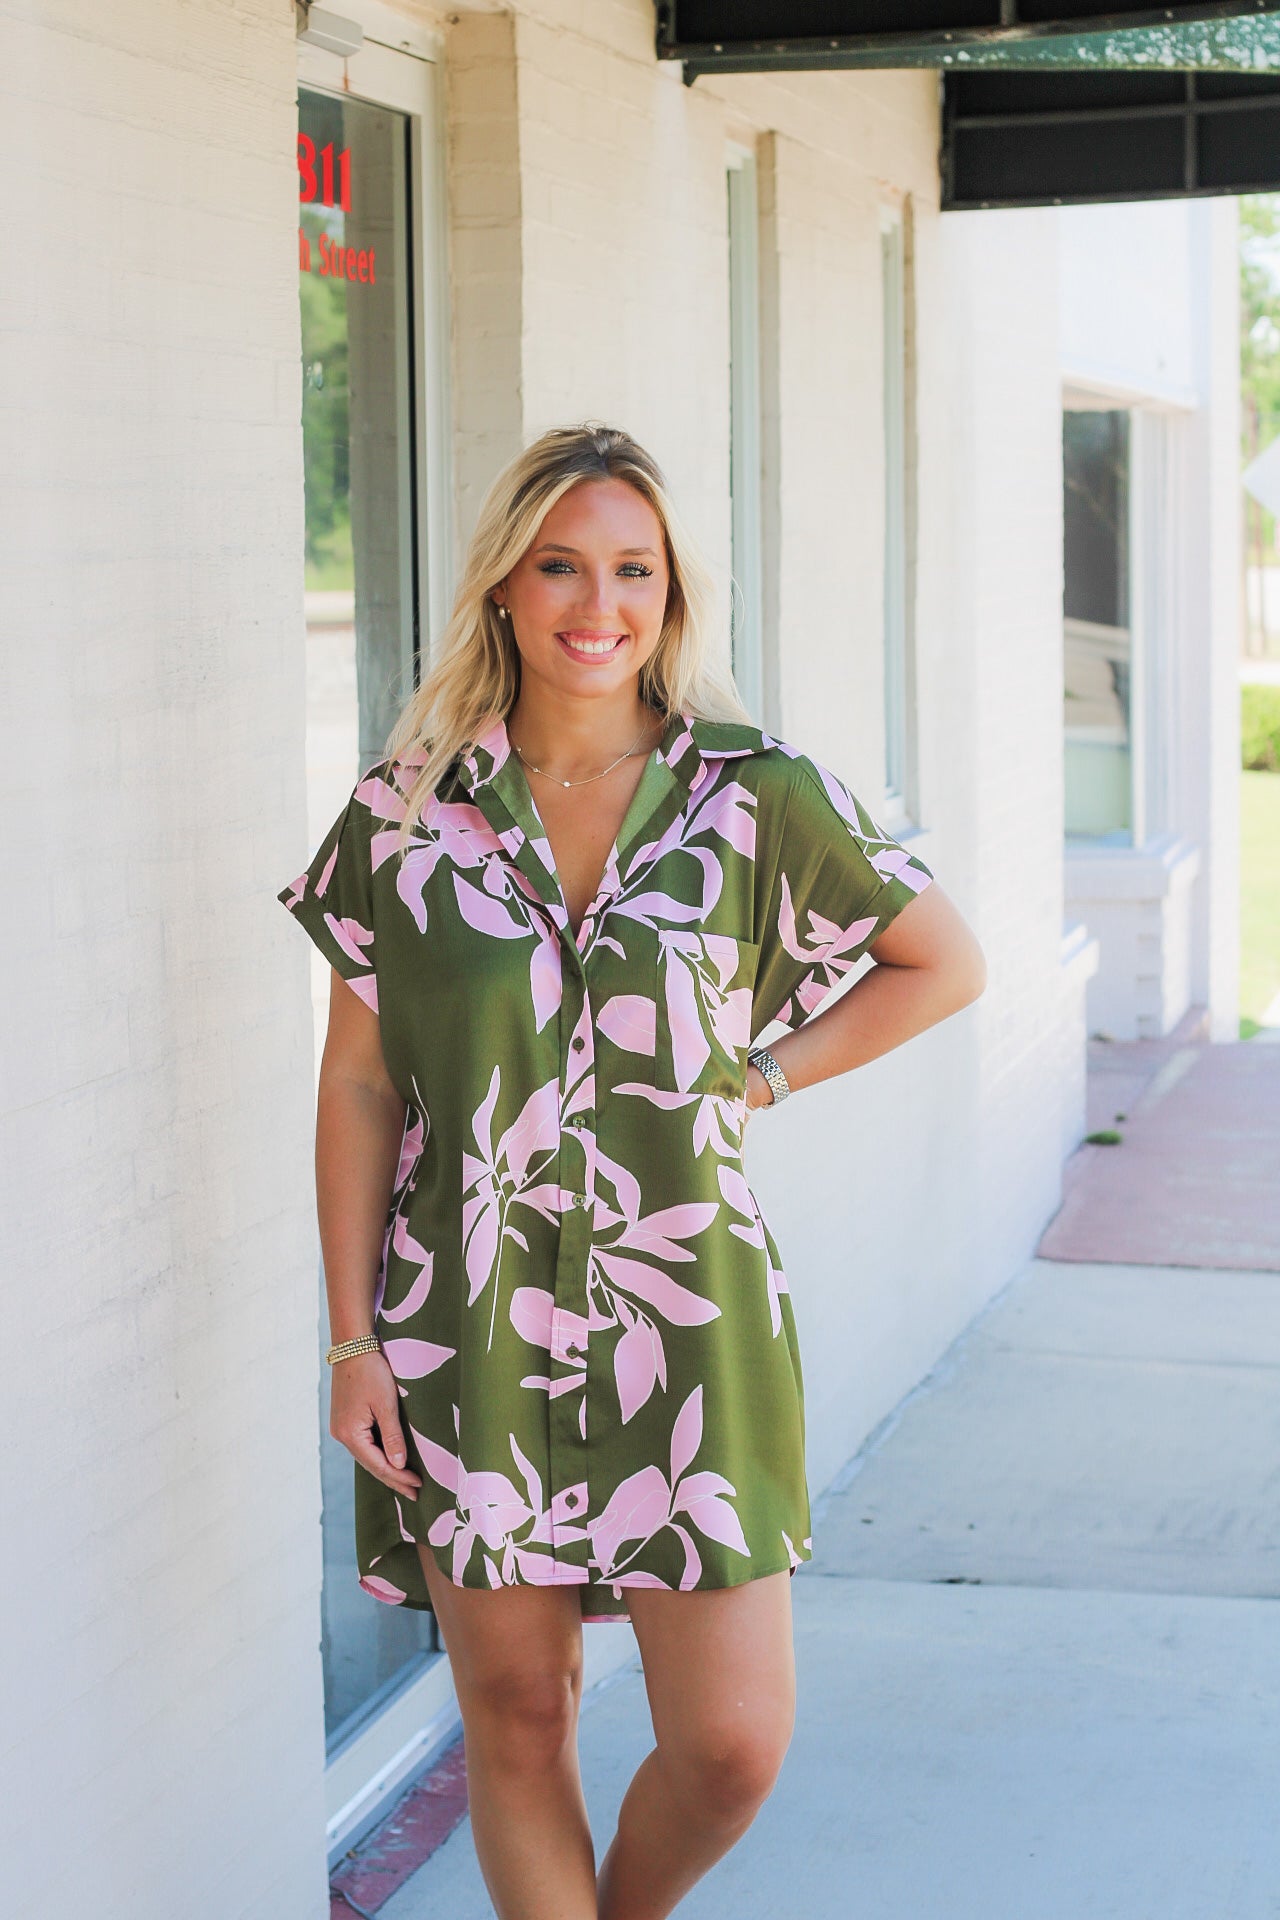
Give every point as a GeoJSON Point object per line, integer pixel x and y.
{"type": "Point", "coordinates": [584, 1308]}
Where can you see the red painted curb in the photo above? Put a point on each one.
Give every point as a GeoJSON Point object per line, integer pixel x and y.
{"type": "Point", "coordinates": [409, 1835]}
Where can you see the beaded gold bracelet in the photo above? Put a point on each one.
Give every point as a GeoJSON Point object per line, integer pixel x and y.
{"type": "Point", "coordinates": [367, 1343]}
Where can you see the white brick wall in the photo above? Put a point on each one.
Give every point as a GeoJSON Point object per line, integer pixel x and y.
{"type": "Point", "coordinates": [162, 1712]}
{"type": "Point", "coordinates": [936, 1168]}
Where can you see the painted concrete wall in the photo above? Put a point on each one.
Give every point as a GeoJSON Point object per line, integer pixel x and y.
{"type": "Point", "coordinates": [1149, 317]}
{"type": "Point", "coordinates": [1126, 294]}
{"type": "Point", "coordinates": [162, 1729]}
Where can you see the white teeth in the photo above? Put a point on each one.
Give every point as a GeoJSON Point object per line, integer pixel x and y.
{"type": "Point", "coordinates": [591, 646]}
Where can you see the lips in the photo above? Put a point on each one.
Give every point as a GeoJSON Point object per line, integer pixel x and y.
{"type": "Point", "coordinates": [586, 645]}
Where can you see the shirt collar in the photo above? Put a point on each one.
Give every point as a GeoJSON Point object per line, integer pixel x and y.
{"type": "Point", "coordinates": [687, 744]}
{"type": "Point", "coordinates": [490, 775]}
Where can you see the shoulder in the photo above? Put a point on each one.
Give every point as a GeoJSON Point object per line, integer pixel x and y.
{"type": "Point", "coordinates": [774, 767]}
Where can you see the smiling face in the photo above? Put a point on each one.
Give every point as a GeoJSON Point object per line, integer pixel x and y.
{"type": "Point", "coordinates": [586, 602]}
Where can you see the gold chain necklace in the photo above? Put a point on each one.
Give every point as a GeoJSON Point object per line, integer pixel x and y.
{"type": "Point", "coordinates": [591, 776]}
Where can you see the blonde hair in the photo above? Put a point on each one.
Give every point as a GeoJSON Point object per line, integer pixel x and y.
{"type": "Point", "coordinates": [474, 675]}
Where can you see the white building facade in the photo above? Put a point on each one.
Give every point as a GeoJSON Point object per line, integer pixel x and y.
{"type": "Point", "coordinates": [1152, 607]}
{"type": "Point", "coordinates": [282, 316]}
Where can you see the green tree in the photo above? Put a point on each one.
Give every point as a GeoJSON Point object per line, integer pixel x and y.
{"type": "Point", "coordinates": [325, 419]}
{"type": "Point", "coordinates": [1259, 344]}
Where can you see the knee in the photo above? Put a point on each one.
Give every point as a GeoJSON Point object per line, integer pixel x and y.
{"type": "Point", "coordinates": [527, 1717]}
{"type": "Point", "coordinates": [725, 1772]}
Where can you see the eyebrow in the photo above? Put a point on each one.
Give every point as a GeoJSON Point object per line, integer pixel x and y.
{"type": "Point", "coordinates": [551, 546]}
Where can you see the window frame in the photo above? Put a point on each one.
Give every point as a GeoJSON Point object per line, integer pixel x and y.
{"type": "Point", "coordinates": [745, 455]}
{"type": "Point", "coordinates": [900, 799]}
{"type": "Point", "coordinates": [373, 1756]}
{"type": "Point", "coordinates": [1152, 481]}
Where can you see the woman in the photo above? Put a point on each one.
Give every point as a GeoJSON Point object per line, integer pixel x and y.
{"type": "Point", "coordinates": [558, 913]}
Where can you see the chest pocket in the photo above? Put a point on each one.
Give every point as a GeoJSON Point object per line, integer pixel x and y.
{"type": "Point", "coordinates": [704, 991]}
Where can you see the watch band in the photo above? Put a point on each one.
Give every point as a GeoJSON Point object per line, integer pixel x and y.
{"type": "Point", "coordinates": [761, 1057]}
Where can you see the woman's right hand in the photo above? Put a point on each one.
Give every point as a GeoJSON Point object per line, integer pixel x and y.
{"type": "Point", "coordinates": [364, 1391]}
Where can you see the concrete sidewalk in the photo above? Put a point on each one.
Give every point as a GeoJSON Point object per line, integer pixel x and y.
{"type": "Point", "coordinates": [1038, 1647]}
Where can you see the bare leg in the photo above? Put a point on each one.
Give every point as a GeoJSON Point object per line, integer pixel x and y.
{"type": "Point", "coordinates": [516, 1656]}
{"type": "Point", "coordinates": [719, 1670]}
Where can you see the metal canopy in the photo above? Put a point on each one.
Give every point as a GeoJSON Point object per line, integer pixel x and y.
{"type": "Point", "coordinates": [1053, 138]}
{"type": "Point", "coordinates": [759, 36]}
{"type": "Point", "coordinates": [1040, 106]}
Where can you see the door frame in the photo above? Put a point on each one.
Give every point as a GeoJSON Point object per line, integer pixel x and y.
{"type": "Point", "coordinates": [370, 1768]}
{"type": "Point", "coordinates": [410, 79]}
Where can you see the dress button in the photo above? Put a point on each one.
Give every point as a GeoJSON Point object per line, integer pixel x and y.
{"type": "Point", "coordinates": [577, 1043]}
{"type": "Point", "coordinates": [580, 1200]}
{"type": "Point", "coordinates": [578, 1119]}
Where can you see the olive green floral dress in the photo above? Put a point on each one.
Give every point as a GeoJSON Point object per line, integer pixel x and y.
{"type": "Point", "coordinates": [583, 1306]}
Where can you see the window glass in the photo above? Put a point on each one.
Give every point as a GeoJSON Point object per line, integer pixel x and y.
{"type": "Point", "coordinates": [893, 312]}
{"type": "Point", "coordinates": [744, 433]}
{"type": "Point", "coordinates": [360, 588]}
{"type": "Point", "coordinates": [1097, 632]}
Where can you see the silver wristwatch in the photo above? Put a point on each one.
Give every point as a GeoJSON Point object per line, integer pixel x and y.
{"type": "Point", "coordinates": [761, 1057]}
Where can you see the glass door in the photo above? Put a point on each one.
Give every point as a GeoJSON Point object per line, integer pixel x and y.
{"type": "Point", "coordinates": [366, 166]}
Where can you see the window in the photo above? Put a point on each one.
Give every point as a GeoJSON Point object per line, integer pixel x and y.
{"type": "Point", "coordinates": [899, 525]}
{"type": "Point", "coordinates": [1098, 625]}
{"type": "Point", "coordinates": [361, 568]}
{"type": "Point", "coordinates": [744, 428]}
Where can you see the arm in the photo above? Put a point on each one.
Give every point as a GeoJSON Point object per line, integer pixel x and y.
{"type": "Point", "coordinates": [359, 1127]}
{"type": "Point", "coordinates": [928, 966]}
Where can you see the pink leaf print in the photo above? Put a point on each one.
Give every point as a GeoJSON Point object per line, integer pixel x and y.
{"type": "Point", "coordinates": [630, 1021]}
{"type": "Point", "coordinates": [533, 1485]}
{"type": "Point", "coordinates": [366, 988]}
{"type": "Point", "coordinates": [383, 800]}
{"type": "Point", "coordinates": [480, 1225]}
{"type": "Point", "coordinates": [531, 1314]}
{"type": "Point", "coordinates": [636, 1511]}
{"type": "Point", "coordinates": [674, 1302]}
{"type": "Point", "coordinates": [728, 812]}
{"type": "Point", "coordinates": [414, 1359]}
{"type": "Point", "coordinates": [893, 863]}
{"type": "Point", "coordinates": [410, 1148]}
{"type": "Point", "coordinates": [690, 1049]}
{"type": "Point", "coordinates": [351, 937]}
{"type": "Point", "coordinates": [327, 873]}
{"type": "Point", "coordinates": [636, 1360]}
{"type": "Point", "coordinates": [408, 1248]}
{"type": "Point", "coordinates": [536, 1130]}
{"type": "Point", "coordinates": [658, 1232]}
{"type": "Point", "coordinates": [381, 1589]}
{"type": "Point", "coordinates": [485, 914]}
{"type": "Point", "coordinates": [444, 1467]}
{"type": "Point", "coordinates": [546, 982]}
{"type": "Point", "coordinates": [686, 1433]}
{"type": "Point", "coordinates": [692, 1558]}
{"type": "Point", "coordinates": [698, 1495]}
{"type": "Point", "coordinates": [482, 1119]}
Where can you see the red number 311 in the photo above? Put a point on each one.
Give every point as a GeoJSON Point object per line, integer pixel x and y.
{"type": "Point", "coordinates": [309, 188]}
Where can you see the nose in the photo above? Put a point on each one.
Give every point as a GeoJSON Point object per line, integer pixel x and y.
{"type": "Point", "coordinates": [598, 599]}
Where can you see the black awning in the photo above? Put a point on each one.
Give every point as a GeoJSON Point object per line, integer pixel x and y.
{"type": "Point", "coordinates": [1049, 137]}
{"type": "Point", "coordinates": [1039, 106]}
{"type": "Point", "coordinates": [762, 36]}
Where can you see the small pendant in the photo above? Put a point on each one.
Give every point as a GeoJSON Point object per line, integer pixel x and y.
{"type": "Point", "coordinates": [566, 783]}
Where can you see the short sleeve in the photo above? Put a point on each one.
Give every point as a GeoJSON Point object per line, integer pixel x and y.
{"type": "Point", "coordinates": [835, 880]}
{"type": "Point", "coordinates": [333, 899]}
